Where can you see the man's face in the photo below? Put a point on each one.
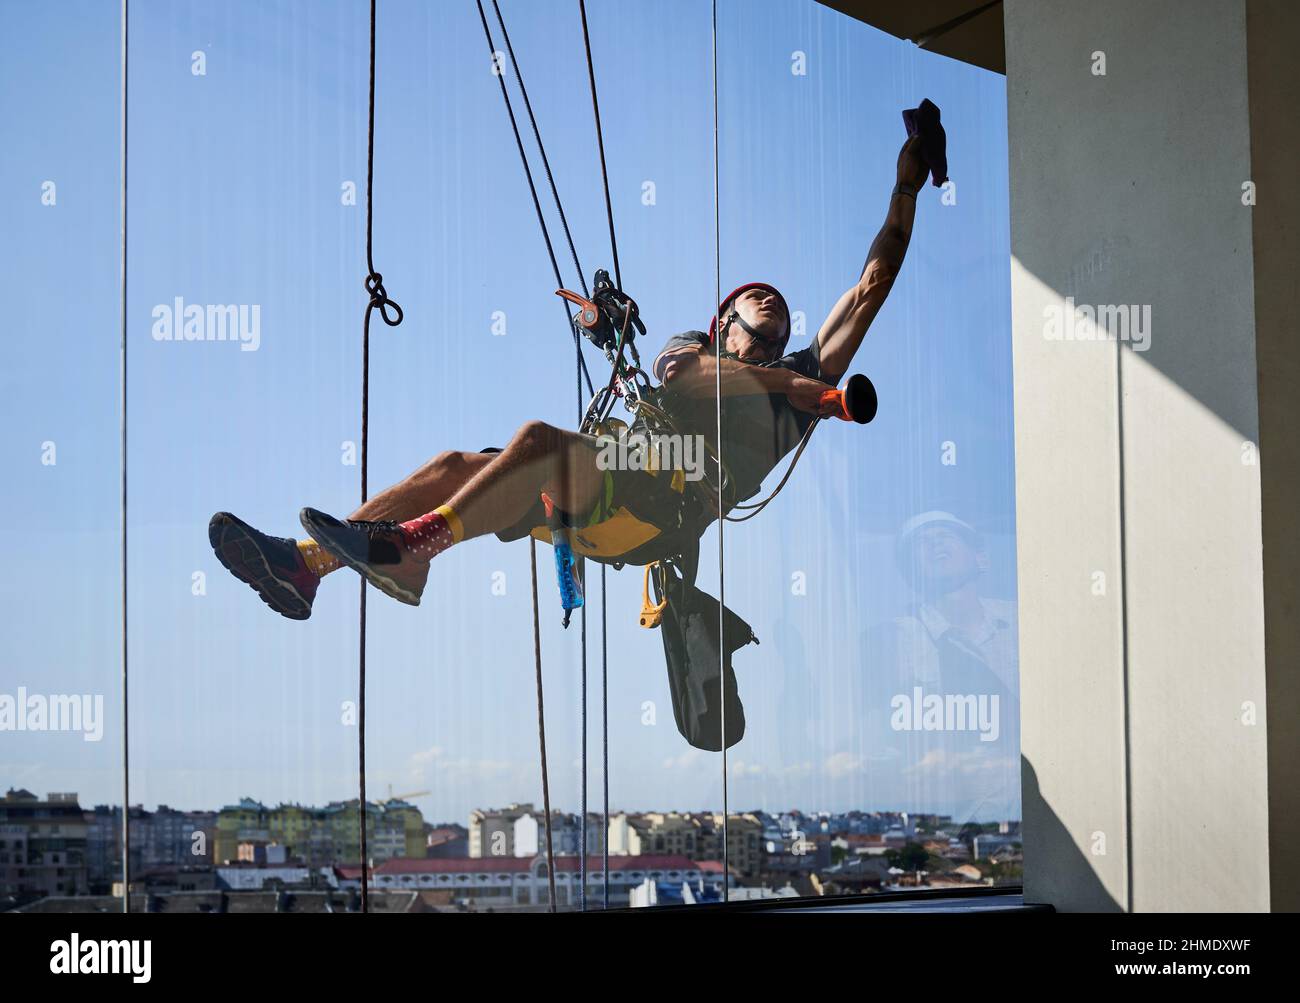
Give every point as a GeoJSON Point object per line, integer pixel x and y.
{"type": "Point", "coordinates": [943, 560]}
{"type": "Point", "coordinates": [761, 309]}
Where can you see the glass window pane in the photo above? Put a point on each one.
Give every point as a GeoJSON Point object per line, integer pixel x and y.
{"type": "Point", "coordinates": [881, 747]}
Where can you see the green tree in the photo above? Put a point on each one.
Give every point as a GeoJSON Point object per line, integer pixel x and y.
{"type": "Point", "coordinates": [911, 857]}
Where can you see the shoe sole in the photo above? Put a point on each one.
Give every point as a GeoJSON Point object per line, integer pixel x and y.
{"type": "Point", "coordinates": [383, 583]}
{"type": "Point", "coordinates": [254, 570]}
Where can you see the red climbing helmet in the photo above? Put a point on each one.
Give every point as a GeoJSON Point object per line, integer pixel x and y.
{"type": "Point", "coordinates": [731, 297]}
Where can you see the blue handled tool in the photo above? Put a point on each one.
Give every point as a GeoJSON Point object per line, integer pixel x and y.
{"type": "Point", "coordinates": [567, 573]}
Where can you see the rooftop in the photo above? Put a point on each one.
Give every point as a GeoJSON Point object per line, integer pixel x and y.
{"type": "Point", "coordinates": [509, 865]}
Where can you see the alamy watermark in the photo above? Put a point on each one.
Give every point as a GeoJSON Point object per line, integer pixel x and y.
{"type": "Point", "coordinates": [1104, 322]}
{"type": "Point", "coordinates": [178, 321]}
{"type": "Point", "coordinates": [75, 956]}
{"type": "Point", "coordinates": [651, 451]}
{"type": "Point", "coordinates": [921, 711]}
{"type": "Point", "coordinates": [56, 712]}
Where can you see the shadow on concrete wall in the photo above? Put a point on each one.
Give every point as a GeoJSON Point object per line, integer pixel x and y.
{"type": "Point", "coordinates": [1069, 876]}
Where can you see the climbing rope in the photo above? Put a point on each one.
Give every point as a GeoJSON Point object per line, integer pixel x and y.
{"type": "Point", "coordinates": [126, 773]}
{"type": "Point", "coordinates": [541, 728]}
{"type": "Point", "coordinates": [379, 300]}
{"type": "Point", "coordinates": [555, 267]}
{"type": "Point", "coordinates": [532, 187]}
{"type": "Point", "coordinates": [582, 375]}
{"type": "Point", "coordinates": [600, 144]}
{"type": "Point", "coordinates": [758, 507]}
{"type": "Point", "coordinates": [537, 135]}
{"type": "Point", "coordinates": [604, 624]}
{"type": "Point", "coordinates": [717, 348]}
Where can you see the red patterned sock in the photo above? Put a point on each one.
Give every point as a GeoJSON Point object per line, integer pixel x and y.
{"type": "Point", "coordinates": [429, 535]}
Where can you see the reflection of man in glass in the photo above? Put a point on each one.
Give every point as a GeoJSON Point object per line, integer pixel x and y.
{"type": "Point", "coordinates": [963, 635]}
{"type": "Point", "coordinates": [635, 516]}
{"type": "Point", "coordinates": [944, 676]}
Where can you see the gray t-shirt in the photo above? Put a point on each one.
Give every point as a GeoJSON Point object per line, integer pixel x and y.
{"type": "Point", "coordinates": [757, 429]}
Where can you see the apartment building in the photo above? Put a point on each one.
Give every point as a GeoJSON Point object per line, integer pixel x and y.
{"type": "Point", "coordinates": [321, 836]}
{"type": "Point", "coordinates": [42, 845]}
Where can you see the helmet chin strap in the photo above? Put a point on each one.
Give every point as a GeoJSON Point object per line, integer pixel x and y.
{"type": "Point", "coordinates": [737, 318]}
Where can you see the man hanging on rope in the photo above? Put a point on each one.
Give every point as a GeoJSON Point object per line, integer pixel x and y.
{"type": "Point", "coordinates": [632, 516]}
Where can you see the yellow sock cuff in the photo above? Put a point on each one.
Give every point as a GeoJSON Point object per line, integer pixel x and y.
{"type": "Point", "coordinates": [453, 522]}
{"type": "Point", "coordinates": [320, 561]}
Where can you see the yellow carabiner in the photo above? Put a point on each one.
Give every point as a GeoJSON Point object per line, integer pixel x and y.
{"type": "Point", "coordinates": [651, 616]}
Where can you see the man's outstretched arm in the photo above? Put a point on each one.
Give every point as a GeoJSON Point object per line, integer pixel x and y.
{"type": "Point", "coordinates": [693, 371]}
{"type": "Point", "coordinates": [847, 324]}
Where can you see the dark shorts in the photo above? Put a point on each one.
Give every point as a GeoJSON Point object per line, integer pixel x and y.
{"type": "Point", "coordinates": [640, 517]}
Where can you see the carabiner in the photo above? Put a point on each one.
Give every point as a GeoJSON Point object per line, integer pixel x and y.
{"type": "Point", "coordinates": [651, 615]}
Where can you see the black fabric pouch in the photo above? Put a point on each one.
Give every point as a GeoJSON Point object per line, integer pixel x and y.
{"type": "Point", "coordinates": [690, 634]}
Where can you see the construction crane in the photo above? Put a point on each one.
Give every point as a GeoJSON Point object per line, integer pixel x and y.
{"type": "Point", "coordinates": [401, 797]}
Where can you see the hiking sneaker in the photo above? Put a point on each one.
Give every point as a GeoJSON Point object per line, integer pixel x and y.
{"type": "Point", "coordinates": [376, 549]}
{"type": "Point", "coordinates": [272, 565]}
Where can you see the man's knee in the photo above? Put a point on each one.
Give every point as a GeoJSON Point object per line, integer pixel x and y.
{"type": "Point", "coordinates": [455, 464]}
{"type": "Point", "coordinates": [537, 438]}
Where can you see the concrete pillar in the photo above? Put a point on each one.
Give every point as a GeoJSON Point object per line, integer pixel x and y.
{"type": "Point", "coordinates": [1272, 34]}
{"type": "Point", "coordinates": [1151, 692]}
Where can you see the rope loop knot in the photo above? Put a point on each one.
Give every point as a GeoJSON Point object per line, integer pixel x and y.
{"type": "Point", "coordinates": [379, 299]}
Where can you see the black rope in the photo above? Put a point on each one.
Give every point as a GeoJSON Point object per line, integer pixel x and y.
{"type": "Point", "coordinates": [582, 375]}
{"type": "Point", "coordinates": [577, 345]}
{"type": "Point", "coordinates": [532, 188]}
{"type": "Point", "coordinates": [374, 281]}
{"type": "Point", "coordinates": [582, 838]}
{"type": "Point", "coordinates": [600, 143]}
{"type": "Point", "coordinates": [722, 578]}
{"type": "Point", "coordinates": [541, 728]}
{"type": "Point", "coordinates": [582, 713]}
{"type": "Point", "coordinates": [604, 735]}
{"type": "Point", "coordinates": [126, 772]}
{"type": "Point", "coordinates": [546, 161]}
{"type": "Point", "coordinates": [379, 300]}
{"type": "Point", "coordinates": [604, 625]}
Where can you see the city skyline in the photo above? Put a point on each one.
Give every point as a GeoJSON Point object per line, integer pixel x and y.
{"type": "Point", "coordinates": [531, 803]}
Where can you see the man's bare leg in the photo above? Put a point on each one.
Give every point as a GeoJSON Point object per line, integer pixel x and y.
{"type": "Point", "coordinates": [539, 458]}
{"type": "Point", "coordinates": [285, 572]}
{"type": "Point", "coordinates": [489, 491]}
{"type": "Point", "coordinates": [484, 488]}
{"type": "Point", "coordinates": [426, 489]}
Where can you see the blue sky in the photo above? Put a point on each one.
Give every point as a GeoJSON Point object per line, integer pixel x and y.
{"type": "Point", "coordinates": [236, 181]}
